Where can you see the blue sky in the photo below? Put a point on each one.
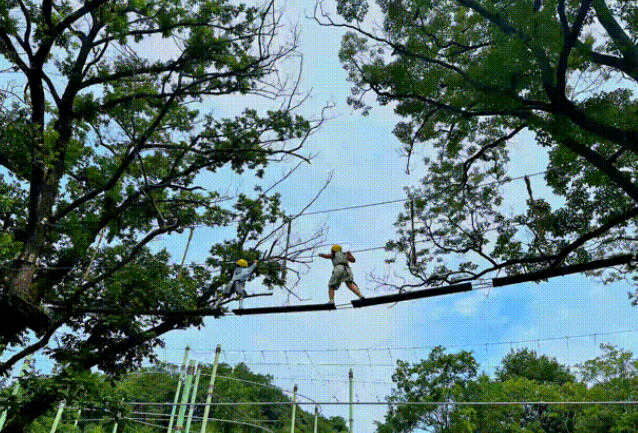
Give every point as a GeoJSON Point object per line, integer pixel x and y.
{"type": "Point", "coordinates": [316, 350]}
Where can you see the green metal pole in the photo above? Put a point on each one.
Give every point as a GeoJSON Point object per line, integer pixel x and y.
{"type": "Point", "coordinates": [284, 265]}
{"type": "Point", "coordinates": [316, 418]}
{"type": "Point", "coordinates": [61, 406]}
{"type": "Point", "coordinates": [209, 391]}
{"type": "Point", "coordinates": [294, 408]}
{"type": "Point", "coordinates": [182, 371]}
{"type": "Point", "coordinates": [351, 377]}
{"type": "Point", "coordinates": [16, 389]}
{"type": "Point", "coordinates": [179, 425]}
{"type": "Point", "coordinates": [58, 416]}
{"type": "Point", "coordinates": [118, 416]}
{"type": "Point", "coordinates": [188, 244]}
{"type": "Point", "coordinates": [189, 419]}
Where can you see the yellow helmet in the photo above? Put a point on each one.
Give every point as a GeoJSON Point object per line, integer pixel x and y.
{"type": "Point", "coordinates": [243, 263]}
{"type": "Point", "coordinates": [336, 248]}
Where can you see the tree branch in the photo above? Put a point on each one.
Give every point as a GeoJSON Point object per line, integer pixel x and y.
{"type": "Point", "coordinates": [11, 53]}
{"type": "Point", "coordinates": [508, 29]}
{"type": "Point", "coordinates": [74, 298]}
{"type": "Point", "coordinates": [597, 160]}
{"type": "Point", "coordinates": [617, 220]}
{"type": "Point", "coordinates": [47, 10]}
{"type": "Point", "coordinates": [562, 16]}
{"type": "Point", "coordinates": [128, 159]}
{"type": "Point", "coordinates": [624, 43]}
{"type": "Point", "coordinates": [27, 31]}
{"type": "Point", "coordinates": [63, 25]}
{"type": "Point", "coordinates": [569, 43]}
{"type": "Point", "coordinates": [115, 350]}
{"type": "Point", "coordinates": [619, 63]}
{"type": "Point", "coordinates": [467, 164]}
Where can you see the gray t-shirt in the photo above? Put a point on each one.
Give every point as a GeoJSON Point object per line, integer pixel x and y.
{"type": "Point", "coordinates": [339, 258]}
{"type": "Point", "coordinates": [242, 274]}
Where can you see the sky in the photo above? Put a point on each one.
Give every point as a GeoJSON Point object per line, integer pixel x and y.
{"type": "Point", "coordinates": [567, 318]}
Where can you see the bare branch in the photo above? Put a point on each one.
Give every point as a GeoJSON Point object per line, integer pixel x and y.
{"type": "Point", "coordinates": [496, 143]}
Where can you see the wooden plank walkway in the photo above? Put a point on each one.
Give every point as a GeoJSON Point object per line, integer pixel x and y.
{"type": "Point", "coordinates": [415, 294]}
{"type": "Point", "coordinates": [285, 309]}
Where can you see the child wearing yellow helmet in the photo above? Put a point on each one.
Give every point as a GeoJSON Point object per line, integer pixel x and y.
{"type": "Point", "coordinates": [341, 272]}
{"type": "Point", "coordinates": [237, 284]}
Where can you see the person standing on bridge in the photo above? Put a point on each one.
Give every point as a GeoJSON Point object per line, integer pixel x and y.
{"type": "Point", "coordinates": [341, 273]}
{"type": "Point", "coordinates": [237, 284]}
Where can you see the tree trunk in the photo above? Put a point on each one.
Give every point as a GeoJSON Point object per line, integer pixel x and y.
{"type": "Point", "coordinates": [21, 299]}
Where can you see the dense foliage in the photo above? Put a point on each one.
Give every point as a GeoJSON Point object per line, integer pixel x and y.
{"type": "Point", "coordinates": [115, 135]}
{"type": "Point", "coordinates": [477, 80]}
{"type": "Point", "coordinates": [523, 376]}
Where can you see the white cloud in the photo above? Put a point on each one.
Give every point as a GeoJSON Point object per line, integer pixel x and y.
{"type": "Point", "coordinates": [469, 305]}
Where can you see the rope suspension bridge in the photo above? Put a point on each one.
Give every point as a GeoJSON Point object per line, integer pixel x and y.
{"type": "Point", "coordinates": [624, 259]}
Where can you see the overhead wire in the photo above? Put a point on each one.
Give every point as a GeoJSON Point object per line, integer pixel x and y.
{"type": "Point", "coordinates": [144, 421]}
{"type": "Point", "coordinates": [335, 364]}
{"type": "Point", "coordinates": [265, 385]}
{"type": "Point", "coordinates": [406, 200]}
{"type": "Point", "coordinates": [340, 209]}
{"type": "Point", "coordinates": [86, 419]}
{"type": "Point", "coordinates": [230, 421]}
{"type": "Point", "coordinates": [412, 348]}
{"type": "Point", "coordinates": [412, 403]}
{"type": "Point", "coordinates": [299, 395]}
{"type": "Point", "coordinates": [226, 401]}
{"type": "Point", "coordinates": [368, 364]}
{"type": "Point", "coordinates": [366, 382]}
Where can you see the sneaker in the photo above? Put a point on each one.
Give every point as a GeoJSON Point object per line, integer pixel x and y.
{"type": "Point", "coordinates": [332, 301]}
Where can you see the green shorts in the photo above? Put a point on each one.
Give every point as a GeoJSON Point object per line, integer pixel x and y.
{"type": "Point", "coordinates": [340, 274]}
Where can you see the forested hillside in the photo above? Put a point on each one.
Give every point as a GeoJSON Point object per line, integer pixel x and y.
{"type": "Point", "coordinates": [130, 403]}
